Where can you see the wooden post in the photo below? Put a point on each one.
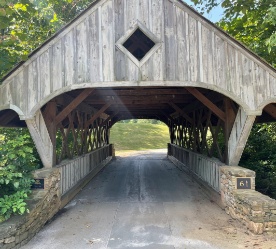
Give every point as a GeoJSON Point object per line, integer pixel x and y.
{"type": "Point", "coordinates": [228, 125]}
{"type": "Point", "coordinates": [238, 137]}
{"type": "Point", "coordinates": [42, 140]}
{"type": "Point", "coordinates": [49, 117]}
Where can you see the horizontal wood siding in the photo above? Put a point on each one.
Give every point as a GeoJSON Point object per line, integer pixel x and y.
{"type": "Point", "coordinates": [192, 53]}
{"type": "Point", "coordinates": [76, 169]}
{"type": "Point", "coordinates": [207, 169]}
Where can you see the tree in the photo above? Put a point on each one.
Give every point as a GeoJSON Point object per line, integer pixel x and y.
{"type": "Point", "coordinates": [26, 24]}
{"type": "Point", "coordinates": [244, 20]}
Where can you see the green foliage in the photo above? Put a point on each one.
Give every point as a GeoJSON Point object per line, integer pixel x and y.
{"type": "Point", "coordinates": [13, 204]}
{"type": "Point", "coordinates": [259, 155]}
{"type": "Point", "coordinates": [244, 20]}
{"type": "Point", "coordinates": [26, 24]}
{"type": "Point", "coordinates": [17, 160]}
{"type": "Point", "coordinates": [271, 19]}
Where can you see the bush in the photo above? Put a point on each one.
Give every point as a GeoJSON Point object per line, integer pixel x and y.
{"type": "Point", "coordinates": [18, 159]}
{"type": "Point", "coordinates": [260, 156]}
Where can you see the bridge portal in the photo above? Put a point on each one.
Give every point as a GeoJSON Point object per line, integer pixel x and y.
{"type": "Point", "coordinates": [131, 59]}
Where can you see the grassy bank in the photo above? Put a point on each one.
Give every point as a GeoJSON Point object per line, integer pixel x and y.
{"type": "Point", "coordinates": [139, 136]}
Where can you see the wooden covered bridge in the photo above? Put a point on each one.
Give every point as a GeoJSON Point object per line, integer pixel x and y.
{"type": "Point", "coordinates": [129, 59]}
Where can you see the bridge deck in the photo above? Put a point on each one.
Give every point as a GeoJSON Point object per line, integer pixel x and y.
{"type": "Point", "coordinates": [143, 201]}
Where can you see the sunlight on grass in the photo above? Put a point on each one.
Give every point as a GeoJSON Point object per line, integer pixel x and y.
{"type": "Point", "coordinates": [139, 136]}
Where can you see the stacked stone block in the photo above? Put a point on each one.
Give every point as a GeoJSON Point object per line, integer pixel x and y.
{"type": "Point", "coordinates": [43, 205]}
{"type": "Point", "coordinates": [255, 210]}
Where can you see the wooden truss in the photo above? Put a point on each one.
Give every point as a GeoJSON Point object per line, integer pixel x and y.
{"type": "Point", "coordinates": [77, 128]}
{"type": "Point", "coordinates": [79, 121]}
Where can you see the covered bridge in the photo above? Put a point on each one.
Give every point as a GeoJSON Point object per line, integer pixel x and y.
{"type": "Point", "coordinates": [129, 59]}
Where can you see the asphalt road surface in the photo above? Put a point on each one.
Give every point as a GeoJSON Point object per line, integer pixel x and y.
{"type": "Point", "coordinates": [141, 200]}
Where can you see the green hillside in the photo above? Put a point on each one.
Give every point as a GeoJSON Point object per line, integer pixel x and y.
{"type": "Point", "coordinates": [139, 136]}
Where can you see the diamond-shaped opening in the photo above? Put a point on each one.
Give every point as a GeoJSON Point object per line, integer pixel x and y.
{"type": "Point", "coordinates": [138, 44]}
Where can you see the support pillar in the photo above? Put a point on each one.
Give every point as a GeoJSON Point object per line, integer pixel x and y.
{"type": "Point", "coordinates": [238, 137]}
{"type": "Point", "coordinates": [228, 124]}
{"type": "Point", "coordinates": [42, 140]}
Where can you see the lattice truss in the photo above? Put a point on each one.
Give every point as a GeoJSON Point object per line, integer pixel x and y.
{"type": "Point", "coordinates": [75, 137]}
{"type": "Point", "coordinates": [201, 132]}
{"type": "Point", "coordinates": [77, 134]}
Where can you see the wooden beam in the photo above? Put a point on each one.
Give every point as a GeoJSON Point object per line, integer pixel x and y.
{"type": "Point", "coordinates": [98, 114]}
{"type": "Point", "coordinates": [69, 108]}
{"type": "Point", "coordinates": [141, 92]}
{"type": "Point", "coordinates": [207, 103]}
{"type": "Point", "coordinates": [66, 99]}
{"type": "Point", "coordinates": [49, 115]}
{"type": "Point", "coordinates": [108, 119]}
{"type": "Point", "coordinates": [228, 124]}
{"type": "Point", "coordinates": [182, 113]}
{"type": "Point", "coordinates": [168, 116]}
{"type": "Point", "coordinates": [271, 110]}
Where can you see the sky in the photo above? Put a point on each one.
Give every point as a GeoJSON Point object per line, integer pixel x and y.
{"type": "Point", "coordinates": [214, 16]}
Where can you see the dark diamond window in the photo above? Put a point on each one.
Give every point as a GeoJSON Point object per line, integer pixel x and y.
{"type": "Point", "coordinates": [138, 44]}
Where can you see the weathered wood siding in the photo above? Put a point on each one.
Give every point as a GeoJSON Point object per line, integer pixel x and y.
{"type": "Point", "coordinates": [193, 53]}
{"type": "Point", "coordinates": [76, 169]}
{"type": "Point", "coordinates": [238, 137]}
{"type": "Point", "coordinates": [205, 168]}
{"type": "Point", "coordinates": [42, 140]}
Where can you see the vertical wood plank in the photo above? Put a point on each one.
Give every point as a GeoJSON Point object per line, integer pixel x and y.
{"type": "Point", "coordinates": [182, 46]}
{"type": "Point", "coordinates": [120, 58]}
{"type": "Point", "coordinates": [170, 40]}
{"type": "Point", "coordinates": [205, 47]}
{"type": "Point", "coordinates": [94, 47]}
{"type": "Point", "coordinates": [143, 16]}
{"type": "Point", "coordinates": [248, 94]}
{"type": "Point", "coordinates": [108, 41]}
{"type": "Point", "coordinates": [193, 41]}
{"type": "Point", "coordinates": [81, 48]}
{"type": "Point", "coordinates": [44, 71]}
{"type": "Point", "coordinates": [131, 17]}
{"type": "Point", "coordinates": [200, 55]}
{"type": "Point", "coordinates": [32, 85]}
{"type": "Point", "coordinates": [56, 73]}
{"type": "Point", "coordinates": [69, 58]}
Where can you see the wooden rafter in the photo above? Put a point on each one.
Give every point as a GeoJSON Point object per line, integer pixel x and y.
{"type": "Point", "coordinates": [105, 122]}
{"type": "Point", "coordinates": [69, 108]}
{"type": "Point", "coordinates": [182, 113]}
{"type": "Point", "coordinates": [66, 99]}
{"type": "Point", "coordinates": [207, 103]}
{"type": "Point", "coordinates": [97, 115]}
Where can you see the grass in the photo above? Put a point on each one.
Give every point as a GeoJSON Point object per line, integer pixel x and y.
{"type": "Point", "coordinates": [139, 136]}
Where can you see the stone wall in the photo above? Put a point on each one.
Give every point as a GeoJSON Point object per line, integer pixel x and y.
{"type": "Point", "coordinates": [255, 210]}
{"type": "Point", "coordinates": [43, 205]}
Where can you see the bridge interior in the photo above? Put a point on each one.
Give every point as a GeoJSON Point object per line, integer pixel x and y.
{"type": "Point", "coordinates": [79, 121]}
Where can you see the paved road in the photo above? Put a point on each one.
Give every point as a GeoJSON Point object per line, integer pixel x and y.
{"type": "Point", "coordinates": [142, 201]}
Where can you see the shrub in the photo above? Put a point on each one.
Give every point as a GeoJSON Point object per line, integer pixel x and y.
{"type": "Point", "coordinates": [18, 159]}
{"type": "Point", "coordinates": [260, 156]}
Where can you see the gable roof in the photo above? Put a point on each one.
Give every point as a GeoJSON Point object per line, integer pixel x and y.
{"type": "Point", "coordinates": [17, 66]}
